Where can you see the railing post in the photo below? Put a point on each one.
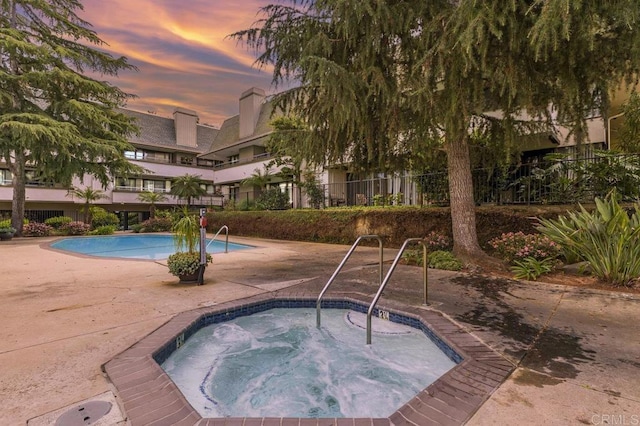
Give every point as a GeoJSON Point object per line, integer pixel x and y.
{"type": "Point", "coordinates": [386, 280]}
{"type": "Point", "coordinates": [339, 268]}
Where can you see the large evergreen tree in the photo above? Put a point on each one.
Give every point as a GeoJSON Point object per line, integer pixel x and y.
{"type": "Point", "coordinates": [54, 119]}
{"type": "Point", "coordinates": [382, 81]}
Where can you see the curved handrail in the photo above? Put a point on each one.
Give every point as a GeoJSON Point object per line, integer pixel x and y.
{"type": "Point", "coordinates": [386, 279]}
{"type": "Point", "coordinates": [226, 242]}
{"type": "Point", "coordinates": [344, 261]}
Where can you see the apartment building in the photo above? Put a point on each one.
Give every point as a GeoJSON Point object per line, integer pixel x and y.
{"type": "Point", "coordinates": [238, 152]}
{"type": "Point", "coordinates": [165, 147]}
{"type": "Point", "coordinates": [223, 158]}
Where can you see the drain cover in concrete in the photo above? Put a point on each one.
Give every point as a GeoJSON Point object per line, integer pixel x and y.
{"type": "Point", "coordinates": [84, 414]}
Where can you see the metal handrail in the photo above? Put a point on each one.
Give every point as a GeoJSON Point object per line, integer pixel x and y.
{"type": "Point", "coordinates": [386, 279]}
{"type": "Point", "coordinates": [344, 261]}
{"type": "Point", "coordinates": [226, 243]}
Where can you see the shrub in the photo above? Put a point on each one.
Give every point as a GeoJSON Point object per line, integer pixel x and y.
{"type": "Point", "coordinates": [437, 241]}
{"type": "Point", "coordinates": [157, 224]}
{"type": "Point", "coordinates": [245, 205]}
{"type": "Point", "coordinates": [101, 217]}
{"type": "Point", "coordinates": [75, 228]}
{"type": "Point", "coordinates": [440, 259]}
{"type": "Point", "coordinates": [413, 256]}
{"type": "Point", "coordinates": [514, 246]}
{"type": "Point", "coordinates": [57, 221]}
{"type": "Point", "coordinates": [313, 189]}
{"type": "Point", "coordinates": [137, 228]}
{"type": "Point", "coordinates": [35, 229]}
{"type": "Point", "coordinates": [103, 230]}
{"type": "Point", "coordinates": [607, 238]}
{"type": "Point", "coordinates": [273, 199]}
{"type": "Point", "coordinates": [163, 214]}
{"type": "Point", "coordinates": [531, 268]}
{"type": "Point", "coordinates": [7, 223]}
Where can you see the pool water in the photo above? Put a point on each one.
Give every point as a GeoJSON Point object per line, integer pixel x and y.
{"type": "Point", "coordinates": [278, 364]}
{"type": "Point", "coordinates": [156, 247]}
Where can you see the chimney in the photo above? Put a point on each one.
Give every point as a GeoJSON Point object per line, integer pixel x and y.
{"type": "Point", "coordinates": [185, 122]}
{"type": "Point", "coordinates": [250, 105]}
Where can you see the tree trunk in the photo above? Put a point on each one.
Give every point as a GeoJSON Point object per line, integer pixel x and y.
{"type": "Point", "coordinates": [463, 212]}
{"type": "Point", "coordinates": [19, 182]}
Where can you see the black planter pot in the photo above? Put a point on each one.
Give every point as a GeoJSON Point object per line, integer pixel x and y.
{"type": "Point", "coordinates": [6, 236]}
{"type": "Point", "coordinates": [190, 278]}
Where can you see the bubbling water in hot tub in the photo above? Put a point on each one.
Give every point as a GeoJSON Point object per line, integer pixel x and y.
{"type": "Point", "coordinates": [278, 364]}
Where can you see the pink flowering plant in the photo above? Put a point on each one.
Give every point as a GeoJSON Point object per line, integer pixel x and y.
{"type": "Point", "coordinates": [75, 228]}
{"type": "Point", "coordinates": [35, 229]}
{"type": "Point", "coordinates": [516, 246]}
{"type": "Point", "coordinates": [436, 242]}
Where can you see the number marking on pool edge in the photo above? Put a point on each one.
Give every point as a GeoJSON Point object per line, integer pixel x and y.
{"type": "Point", "coordinates": [179, 340]}
{"type": "Point", "coordinates": [383, 314]}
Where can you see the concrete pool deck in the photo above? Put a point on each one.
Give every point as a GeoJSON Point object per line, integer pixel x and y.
{"type": "Point", "coordinates": [576, 352]}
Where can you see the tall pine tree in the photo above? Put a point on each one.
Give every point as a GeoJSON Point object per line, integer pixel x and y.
{"type": "Point", "coordinates": [54, 119]}
{"type": "Point", "coordinates": [382, 81]}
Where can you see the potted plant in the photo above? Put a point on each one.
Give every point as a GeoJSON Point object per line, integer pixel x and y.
{"type": "Point", "coordinates": [185, 263]}
{"type": "Point", "coordinates": [6, 233]}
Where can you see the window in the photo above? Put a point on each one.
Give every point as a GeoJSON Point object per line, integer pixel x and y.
{"type": "Point", "coordinates": [138, 154]}
{"type": "Point", "coordinates": [126, 184]}
{"type": "Point", "coordinates": [204, 163]}
{"type": "Point", "coordinates": [186, 160]}
{"type": "Point", "coordinates": [5, 177]}
{"type": "Point", "coordinates": [234, 159]}
{"type": "Point", "coordinates": [153, 185]}
{"type": "Point", "coordinates": [134, 155]}
{"type": "Point", "coordinates": [207, 187]}
{"type": "Point", "coordinates": [35, 179]}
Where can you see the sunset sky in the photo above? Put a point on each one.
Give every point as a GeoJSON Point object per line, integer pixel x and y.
{"type": "Point", "coordinates": [181, 52]}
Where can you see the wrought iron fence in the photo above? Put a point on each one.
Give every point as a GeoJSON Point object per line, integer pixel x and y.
{"type": "Point", "coordinates": [556, 180]}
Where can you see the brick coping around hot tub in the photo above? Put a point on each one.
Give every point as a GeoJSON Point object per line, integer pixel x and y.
{"type": "Point", "coordinates": [149, 397]}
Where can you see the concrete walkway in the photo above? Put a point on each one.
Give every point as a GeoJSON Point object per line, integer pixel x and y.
{"type": "Point", "coordinates": [63, 316]}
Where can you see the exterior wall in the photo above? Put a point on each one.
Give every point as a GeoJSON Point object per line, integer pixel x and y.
{"type": "Point", "coordinates": [229, 175]}
{"type": "Point", "coordinates": [116, 197]}
{"type": "Point", "coordinates": [249, 153]}
{"type": "Point", "coordinates": [595, 132]}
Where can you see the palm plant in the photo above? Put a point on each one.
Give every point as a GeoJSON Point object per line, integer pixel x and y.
{"type": "Point", "coordinates": [187, 187]}
{"type": "Point", "coordinates": [186, 232]}
{"type": "Point", "coordinates": [186, 235]}
{"type": "Point", "coordinates": [152, 198]}
{"type": "Point", "coordinates": [89, 195]}
{"type": "Point", "coordinates": [259, 178]}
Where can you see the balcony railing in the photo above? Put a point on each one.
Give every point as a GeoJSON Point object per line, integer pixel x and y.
{"type": "Point", "coordinates": [139, 189]}
{"type": "Point", "coordinates": [254, 159]}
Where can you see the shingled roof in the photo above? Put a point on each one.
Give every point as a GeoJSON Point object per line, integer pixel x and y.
{"type": "Point", "coordinates": [156, 131]}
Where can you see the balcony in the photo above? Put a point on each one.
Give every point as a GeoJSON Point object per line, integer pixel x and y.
{"type": "Point", "coordinates": [256, 158]}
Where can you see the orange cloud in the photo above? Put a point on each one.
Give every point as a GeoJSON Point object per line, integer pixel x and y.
{"type": "Point", "coordinates": [182, 52]}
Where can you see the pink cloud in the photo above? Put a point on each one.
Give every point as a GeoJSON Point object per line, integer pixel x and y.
{"type": "Point", "coordinates": [182, 52]}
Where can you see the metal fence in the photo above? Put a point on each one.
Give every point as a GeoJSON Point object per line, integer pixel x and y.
{"type": "Point", "coordinates": [553, 181]}
{"type": "Point", "coordinates": [556, 180]}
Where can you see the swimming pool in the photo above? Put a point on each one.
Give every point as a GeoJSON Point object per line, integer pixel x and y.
{"type": "Point", "coordinates": [155, 247]}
